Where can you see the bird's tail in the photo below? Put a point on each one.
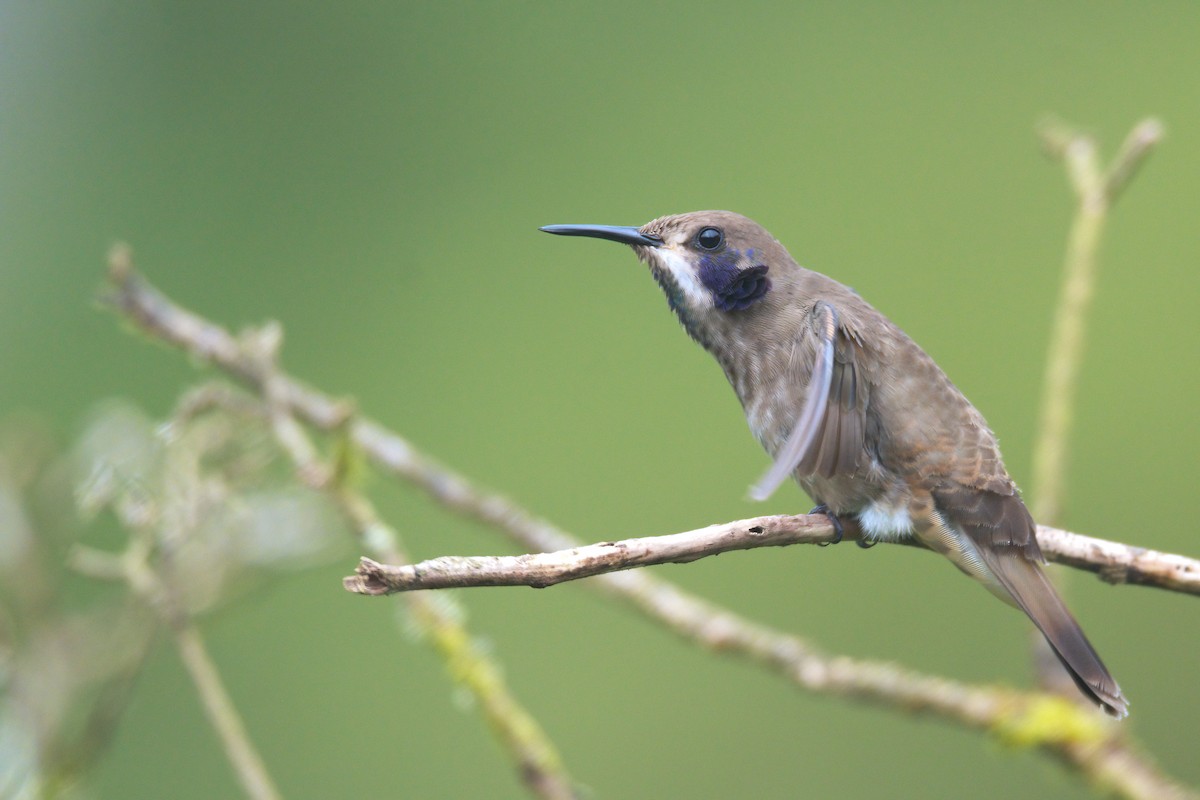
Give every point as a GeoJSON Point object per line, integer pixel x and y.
{"type": "Point", "coordinates": [1033, 593]}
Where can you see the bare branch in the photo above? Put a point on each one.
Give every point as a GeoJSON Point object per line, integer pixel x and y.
{"type": "Point", "coordinates": [1096, 189]}
{"type": "Point", "coordinates": [1111, 561]}
{"type": "Point", "coordinates": [1114, 562]}
{"type": "Point", "coordinates": [546, 569]}
{"type": "Point", "coordinates": [222, 713]}
{"type": "Point", "coordinates": [1132, 155]}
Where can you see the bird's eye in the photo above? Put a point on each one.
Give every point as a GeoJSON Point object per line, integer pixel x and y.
{"type": "Point", "coordinates": [710, 238]}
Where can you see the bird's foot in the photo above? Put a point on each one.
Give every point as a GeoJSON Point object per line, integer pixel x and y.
{"type": "Point", "coordinates": [833, 520]}
{"type": "Point", "coordinates": [861, 540]}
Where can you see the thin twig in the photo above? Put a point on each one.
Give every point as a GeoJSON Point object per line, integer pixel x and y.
{"type": "Point", "coordinates": [1095, 189]}
{"type": "Point", "coordinates": [222, 714]}
{"type": "Point", "coordinates": [1137, 147]}
{"type": "Point", "coordinates": [1060, 728]}
{"type": "Point", "coordinates": [539, 765]}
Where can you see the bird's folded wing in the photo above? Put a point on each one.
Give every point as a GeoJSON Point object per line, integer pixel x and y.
{"type": "Point", "coordinates": [828, 436]}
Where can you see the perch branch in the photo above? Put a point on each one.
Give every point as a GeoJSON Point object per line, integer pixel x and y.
{"type": "Point", "coordinates": [1111, 561]}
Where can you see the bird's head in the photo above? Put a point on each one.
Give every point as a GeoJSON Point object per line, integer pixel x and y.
{"type": "Point", "coordinates": [717, 268]}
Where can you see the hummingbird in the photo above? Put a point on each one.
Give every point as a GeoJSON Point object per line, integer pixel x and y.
{"type": "Point", "coordinates": [846, 403]}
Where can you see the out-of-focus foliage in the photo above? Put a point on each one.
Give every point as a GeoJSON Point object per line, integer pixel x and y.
{"type": "Point", "coordinates": [200, 502]}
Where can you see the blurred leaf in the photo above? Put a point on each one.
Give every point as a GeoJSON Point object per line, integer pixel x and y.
{"type": "Point", "coordinates": [288, 528]}
{"type": "Point", "coordinates": [18, 757]}
{"type": "Point", "coordinates": [118, 458]}
{"type": "Point", "coordinates": [16, 534]}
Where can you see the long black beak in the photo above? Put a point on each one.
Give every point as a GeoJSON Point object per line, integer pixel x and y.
{"type": "Point", "coordinates": [625, 234]}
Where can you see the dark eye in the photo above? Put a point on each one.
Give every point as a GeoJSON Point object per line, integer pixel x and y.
{"type": "Point", "coordinates": [710, 238]}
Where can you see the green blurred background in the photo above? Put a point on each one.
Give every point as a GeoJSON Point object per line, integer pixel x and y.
{"type": "Point", "coordinates": [373, 174]}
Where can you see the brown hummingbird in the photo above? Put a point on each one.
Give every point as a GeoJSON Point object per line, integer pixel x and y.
{"type": "Point", "coordinates": [852, 408]}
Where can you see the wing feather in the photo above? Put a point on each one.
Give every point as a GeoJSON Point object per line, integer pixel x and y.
{"type": "Point", "coordinates": [827, 438]}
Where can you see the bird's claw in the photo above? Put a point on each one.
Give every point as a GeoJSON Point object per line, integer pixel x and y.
{"type": "Point", "coordinates": [862, 541]}
{"type": "Point", "coordinates": [833, 520]}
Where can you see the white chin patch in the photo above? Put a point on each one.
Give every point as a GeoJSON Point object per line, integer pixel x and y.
{"type": "Point", "coordinates": [884, 523]}
{"type": "Point", "coordinates": [681, 270]}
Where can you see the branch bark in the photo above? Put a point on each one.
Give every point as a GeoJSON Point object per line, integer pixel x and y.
{"type": "Point", "coordinates": [1112, 562]}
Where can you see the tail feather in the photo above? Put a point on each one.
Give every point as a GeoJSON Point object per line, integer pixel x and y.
{"type": "Point", "coordinates": [990, 535]}
{"type": "Point", "coordinates": [1035, 595]}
